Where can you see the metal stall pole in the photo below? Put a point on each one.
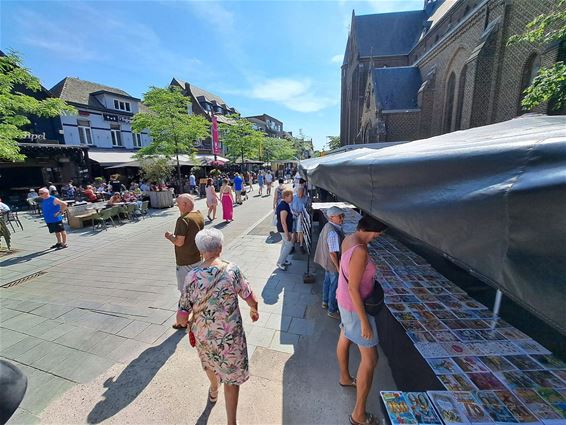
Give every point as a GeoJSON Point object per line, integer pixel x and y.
{"type": "Point", "coordinates": [307, 218]}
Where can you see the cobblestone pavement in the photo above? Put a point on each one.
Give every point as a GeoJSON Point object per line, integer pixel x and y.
{"type": "Point", "coordinates": [94, 334]}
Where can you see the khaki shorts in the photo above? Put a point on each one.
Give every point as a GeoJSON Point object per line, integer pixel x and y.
{"type": "Point", "coordinates": [182, 272]}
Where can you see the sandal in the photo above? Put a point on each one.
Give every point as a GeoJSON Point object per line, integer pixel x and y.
{"type": "Point", "coordinates": [370, 420]}
{"type": "Point", "coordinates": [352, 384]}
{"type": "Point", "coordinates": [211, 398]}
{"type": "Point", "coordinates": [177, 326]}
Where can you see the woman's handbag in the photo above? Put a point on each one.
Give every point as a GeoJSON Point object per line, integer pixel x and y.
{"type": "Point", "coordinates": [374, 303]}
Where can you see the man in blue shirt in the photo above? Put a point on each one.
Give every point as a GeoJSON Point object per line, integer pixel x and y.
{"type": "Point", "coordinates": [238, 185]}
{"type": "Point", "coordinates": [192, 183]}
{"type": "Point", "coordinates": [53, 209]}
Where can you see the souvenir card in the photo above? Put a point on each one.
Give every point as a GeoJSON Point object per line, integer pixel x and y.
{"type": "Point", "coordinates": [496, 363]}
{"type": "Point", "coordinates": [531, 347]}
{"type": "Point", "coordinates": [465, 314]}
{"type": "Point", "coordinates": [433, 325]}
{"type": "Point", "coordinates": [540, 408]}
{"type": "Point", "coordinates": [515, 379]}
{"type": "Point", "coordinates": [420, 291]}
{"type": "Point", "coordinates": [470, 406]}
{"type": "Point", "coordinates": [561, 374]}
{"type": "Point", "coordinates": [437, 290]}
{"type": "Point", "coordinates": [491, 335]}
{"type": "Point", "coordinates": [444, 336]}
{"type": "Point", "coordinates": [486, 381]}
{"type": "Point", "coordinates": [455, 348]}
{"type": "Point", "coordinates": [409, 299]}
{"type": "Point", "coordinates": [401, 291]}
{"type": "Point", "coordinates": [427, 298]}
{"type": "Point", "coordinates": [512, 333]}
{"type": "Point", "coordinates": [467, 335]}
{"type": "Point", "coordinates": [478, 348]}
{"type": "Point", "coordinates": [430, 350]}
{"type": "Point", "coordinates": [454, 305]}
{"type": "Point", "coordinates": [549, 361]}
{"type": "Point", "coordinates": [422, 409]}
{"type": "Point", "coordinates": [456, 382]}
{"type": "Point", "coordinates": [435, 306]}
{"type": "Point", "coordinates": [446, 406]}
{"type": "Point", "coordinates": [392, 299]}
{"type": "Point", "coordinates": [550, 395]}
{"type": "Point", "coordinates": [444, 315]}
{"type": "Point", "coordinates": [545, 378]}
{"type": "Point", "coordinates": [484, 314]}
{"type": "Point", "coordinates": [524, 362]}
{"type": "Point", "coordinates": [417, 307]}
{"type": "Point", "coordinates": [425, 315]}
{"type": "Point", "coordinates": [494, 407]}
{"type": "Point", "coordinates": [462, 297]}
{"type": "Point", "coordinates": [470, 364]}
{"type": "Point", "coordinates": [474, 305]}
{"type": "Point", "coordinates": [412, 325]}
{"type": "Point", "coordinates": [397, 408]}
{"type": "Point", "coordinates": [476, 324]}
{"type": "Point", "coordinates": [455, 324]}
{"type": "Point", "coordinates": [421, 337]}
{"type": "Point", "coordinates": [500, 323]}
{"type": "Point", "coordinates": [404, 316]}
{"type": "Point", "coordinates": [398, 308]}
{"type": "Point", "coordinates": [444, 366]}
{"type": "Point", "coordinates": [517, 409]}
{"type": "Point", "coordinates": [503, 348]}
{"type": "Point", "coordinates": [446, 298]}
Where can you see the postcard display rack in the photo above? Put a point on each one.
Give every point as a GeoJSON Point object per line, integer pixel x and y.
{"type": "Point", "coordinates": [489, 371]}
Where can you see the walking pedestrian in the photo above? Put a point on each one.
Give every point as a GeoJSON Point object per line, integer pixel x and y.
{"type": "Point", "coordinates": [211, 293]}
{"type": "Point", "coordinates": [300, 201]}
{"type": "Point", "coordinates": [251, 181]}
{"type": "Point", "coordinates": [211, 199]}
{"type": "Point", "coordinates": [52, 189]}
{"type": "Point", "coordinates": [227, 199]}
{"type": "Point", "coordinates": [355, 285]}
{"type": "Point", "coordinates": [260, 180]}
{"type": "Point", "coordinates": [285, 227]}
{"type": "Point", "coordinates": [53, 209]}
{"type": "Point", "coordinates": [192, 183]}
{"type": "Point", "coordinates": [238, 186]}
{"type": "Point", "coordinates": [268, 182]}
{"type": "Point", "coordinates": [327, 255]}
{"type": "Point", "coordinates": [187, 255]}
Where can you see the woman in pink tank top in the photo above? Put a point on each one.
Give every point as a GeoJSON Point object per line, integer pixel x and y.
{"type": "Point", "coordinates": [355, 284]}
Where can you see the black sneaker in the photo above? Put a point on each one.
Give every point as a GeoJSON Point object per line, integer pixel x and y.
{"type": "Point", "coordinates": [292, 250]}
{"type": "Point", "coordinates": [57, 245]}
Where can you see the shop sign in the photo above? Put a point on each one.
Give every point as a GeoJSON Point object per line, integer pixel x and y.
{"type": "Point", "coordinates": [117, 118]}
{"type": "Point", "coordinates": [33, 136]}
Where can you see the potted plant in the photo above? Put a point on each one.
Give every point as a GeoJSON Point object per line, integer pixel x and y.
{"type": "Point", "coordinates": [157, 170]}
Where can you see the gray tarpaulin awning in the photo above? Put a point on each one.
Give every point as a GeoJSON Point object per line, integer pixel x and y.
{"type": "Point", "coordinates": [493, 199]}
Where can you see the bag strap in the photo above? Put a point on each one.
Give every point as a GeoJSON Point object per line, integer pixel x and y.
{"type": "Point", "coordinates": [202, 303]}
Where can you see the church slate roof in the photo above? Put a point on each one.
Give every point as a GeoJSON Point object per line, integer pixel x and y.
{"type": "Point", "coordinates": [388, 34]}
{"type": "Point", "coordinates": [77, 91]}
{"type": "Point", "coordinates": [397, 88]}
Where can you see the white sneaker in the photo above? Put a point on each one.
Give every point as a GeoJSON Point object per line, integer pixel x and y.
{"type": "Point", "coordinates": [282, 267]}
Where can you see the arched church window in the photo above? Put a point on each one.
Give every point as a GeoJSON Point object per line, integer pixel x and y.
{"type": "Point", "coordinates": [449, 107]}
{"type": "Point", "coordinates": [530, 71]}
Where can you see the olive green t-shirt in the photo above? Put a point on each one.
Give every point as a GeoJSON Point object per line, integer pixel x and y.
{"type": "Point", "coordinates": [188, 226]}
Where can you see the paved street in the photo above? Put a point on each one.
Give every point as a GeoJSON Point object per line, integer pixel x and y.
{"type": "Point", "coordinates": [93, 333]}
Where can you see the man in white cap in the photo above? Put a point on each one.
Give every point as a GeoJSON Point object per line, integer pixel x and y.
{"type": "Point", "coordinates": [327, 255]}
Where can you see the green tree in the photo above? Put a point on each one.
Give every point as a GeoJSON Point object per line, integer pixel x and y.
{"type": "Point", "coordinates": [241, 139]}
{"type": "Point", "coordinates": [334, 142]}
{"type": "Point", "coordinates": [15, 106]}
{"type": "Point", "coordinates": [277, 149]}
{"type": "Point", "coordinates": [549, 85]}
{"type": "Point", "coordinates": [173, 131]}
{"type": "Point", "coordinates": [156, 169]}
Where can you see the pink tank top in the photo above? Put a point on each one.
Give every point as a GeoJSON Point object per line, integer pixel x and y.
{"type": "Point", "coordinates": [366, 284]}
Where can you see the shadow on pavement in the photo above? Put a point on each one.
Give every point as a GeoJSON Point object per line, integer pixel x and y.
{"type": "Point", "coordinates": [221, 225]}
{"type": "Point", "coordinates": [25, 258]}
{"type": "Point", "coordinates": [124, 389]}
{"type": "Point", "coordinates": [273, 238]}
{"type": "Point", "coordinates": [203, 418]}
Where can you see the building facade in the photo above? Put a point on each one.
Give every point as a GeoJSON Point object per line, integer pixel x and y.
{"type": "Point", "coordinates": [413, 75]}
{"type": "Point", "coordinates": [272, 127]}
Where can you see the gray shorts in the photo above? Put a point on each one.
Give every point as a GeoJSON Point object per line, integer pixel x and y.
{"type": "Point", "coordinates": [182, 274]}
{"type": "Point", "coordinates": [352, 326]}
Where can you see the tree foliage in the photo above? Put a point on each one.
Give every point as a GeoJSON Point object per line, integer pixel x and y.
{"type": "Point", "coordinates": [550, 82]}
{"type": "Point", "coordinates": [274, 149]}
{"type": "Point", "coordinates": [172, 129]}
{"type": "Point", "coordinates": [334, 142]}
{"type": "Point", "coordinates": [15, 106]}
{"type": "Point", "coordinates": [156, 169]}
{"type": "Point", "coordinates": [241, 139]}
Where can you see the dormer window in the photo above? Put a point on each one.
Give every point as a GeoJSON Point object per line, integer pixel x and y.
{"type": "Point", "coordinates": [122, 106]}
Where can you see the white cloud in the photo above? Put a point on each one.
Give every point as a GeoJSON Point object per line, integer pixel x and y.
{"type": "Point", "coordinates": [337, 59]}
{"type": "Point", "coordinates": [297, 95]}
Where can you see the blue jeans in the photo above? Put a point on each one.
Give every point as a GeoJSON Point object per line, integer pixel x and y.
{"type": "Point", "coordinates": [329, 290]}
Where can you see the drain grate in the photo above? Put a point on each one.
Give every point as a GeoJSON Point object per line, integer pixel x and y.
{"type": "Point", "coordinates": [22, 279]}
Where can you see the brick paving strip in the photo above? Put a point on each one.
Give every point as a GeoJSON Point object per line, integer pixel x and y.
{"type": "Point", "coordinates": [93, 334]}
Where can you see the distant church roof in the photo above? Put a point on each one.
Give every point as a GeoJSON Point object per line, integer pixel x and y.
{"type": "Point", "coordinates": [388, 34]}
{"type": "Point", "coordinates": [397, 88]}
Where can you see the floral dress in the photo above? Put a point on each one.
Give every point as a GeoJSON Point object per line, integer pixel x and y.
{"type": "Point", "coordinates": [218, 330]}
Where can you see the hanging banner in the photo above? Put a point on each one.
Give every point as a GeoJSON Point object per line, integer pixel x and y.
{"type": "Point", "coordinates": [215, 145]}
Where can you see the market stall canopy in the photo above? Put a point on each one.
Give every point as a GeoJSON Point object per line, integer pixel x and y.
{"type": "Point", "coordinates": [109, 157]}
{"type": "Point", "coordinates": [492, 199]}
{"type": "Point", "coordinates": [126, 159]}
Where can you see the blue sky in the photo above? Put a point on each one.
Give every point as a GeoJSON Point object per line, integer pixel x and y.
{"type": "Point", "coordinates": [281, 58]}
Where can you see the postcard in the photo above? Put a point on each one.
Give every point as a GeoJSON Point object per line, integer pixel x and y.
{"type": "Point", "coordinates": [412, 325]}
{"type": "Point", "coordinates": [433, 325]}
{"type": "Point", "coordinates": [474, 305]}
{"type": "Point", "coordinates": [470, 364]}
{"type": "Point", "coordinates": [422, 409]}
{"type": "Point", "coordinates": [437, 290]}
{"type": "Point", "coordinates": [491, 335]}
{"type": "Point", "coordinates": [455, 348]}
{"type": "Point", "coordinates": [417, 307]}
{"type": "Point", "coordinates": [549, 361]}
{"type": "Point", "coordinates": [523, 362]}
{"type": "Point", "coordinates": [517, 409]}
{"type": "Point", "coordinates": [476, 324]}
{"type": "Point", "coordinates": [397, 307]}
{"type": "Point", "coordinates": [409, 299]}
{"type": "Point", "coordinates": [478, 348]}
{"type": "Point", "coordinates": [397, 408]}
{"type": "Point", "coordinates": [444, 336]}
{"type": "Point", "coordinates": [404, 316]}
{"type": "Point", "coordinates": [467, 335]}
{"type": "Point", "coordinates": [496, 363]}
{"type": "Point", "coordinates": [455, 324]}
{"type": "Point", "coordinates": [444, 366]}
{"type": "Point", "coordinates": [515, 379]}
{"type": "Point", "coordinates": [392, 299]}
{"type": "Point", "coordinates": [486, 381]}
{"type": "Point", "coordinates": [425, 315]}
{"type": "Point", "coordinates": [545, 378]}
{"type": "Point", "coordinates": [465, 314]}
{"type": "Point", "coordinates": [531, 347]}
{"type": "Point", "coordinates": [494, 407]}
{"type": "Point", "coordinates": [561, 374]}
{"type": "Point", "coordinates": [431, 349]}
{"type": "Point", "coordinates": [456, 382]}
{"type": "Point", "coordinates": [421, 337]}
{"type": "Point", "coordinates": [470, 406]}
{"type": "Point", "coordinates": [512, 333]}
{"type": "Point", "coordinates": [501, 347]}
{"type": "Point", "coordinates": [550, 395]}
{"type": "Point", "coordinates": [444, 315]}
{"type": "Point", "coordinates": [435, 306]}
{"type": "Point", "coordinates": [446, 406]}
{"type": "Point", "coordinates": [538, 406]}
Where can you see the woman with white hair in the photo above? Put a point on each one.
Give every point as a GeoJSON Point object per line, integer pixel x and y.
{"type": "Point", "coordinates": [211, 294]}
